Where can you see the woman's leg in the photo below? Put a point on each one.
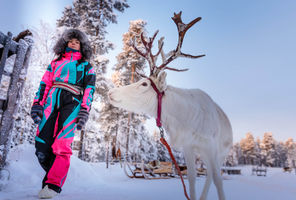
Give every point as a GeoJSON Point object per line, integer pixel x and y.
{"type": "Point", "coordinates": [62, 144]}
{"type": "Point", "coordinates": [43, 142]}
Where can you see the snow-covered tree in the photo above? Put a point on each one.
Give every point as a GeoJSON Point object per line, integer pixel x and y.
{"type": "Point", "coordinates": [132, 127]}
{"type": "Point", "coordinates": [248, 149]}
{"type": "Point", "coordinates": [268, 149]}
{"type": "Point", "coordinates": [267, 152]}
{"type": "Point", "coordinates": [232, 158]}
{"type": "Point", "coordinates": [70, 18]}
{"type": "Point", "coordinates": [281, 154]}
{"type": "Point", "coordinates": [129, 61]}
{"type": "Point", "coordinates": [291, 152]}
{"type": "Point", "coordinates": [237, 151]}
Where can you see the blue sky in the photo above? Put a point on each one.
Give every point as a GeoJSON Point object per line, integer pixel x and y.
{"type": "Point", "coordinates": [249, 68]}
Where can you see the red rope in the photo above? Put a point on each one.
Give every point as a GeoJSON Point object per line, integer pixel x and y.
{"type": "Point", "coordinates": [164, 142]}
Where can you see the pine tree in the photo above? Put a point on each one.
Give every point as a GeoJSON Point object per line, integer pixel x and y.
{"type": "Point", "coordinates": [268, 149]}
{"type": "Point", "coordinates": [248, 148]}
{"type": "Point", "coordinates": [70, 18]}
{"type": "Point", "coordinates": [281, 154]}
{"type": "Point", "coordinates": [257, 151]}
{"type": "Point", "coordinates": [231, 159]}
{"type": "Point", "coordinates": [238, 153]}
{"type": "Point", "coordinates": [291, 152]}
{"type": "Point", "coordinates": [132, 127]}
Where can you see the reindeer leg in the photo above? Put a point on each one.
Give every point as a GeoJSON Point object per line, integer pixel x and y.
{"type": "Point", "coordinates": [208, 180]}
{"type": "Point", "coordinates": [191, 170]}
{"type": "Point", "coordinates": [218, 179]}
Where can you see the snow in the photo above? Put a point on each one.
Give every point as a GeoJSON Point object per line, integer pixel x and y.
{"type": "Point", "coordinates": [93, 181]}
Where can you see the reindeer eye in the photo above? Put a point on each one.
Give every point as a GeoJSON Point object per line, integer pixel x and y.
{"type": "Point", "coordinates": [144, 84]}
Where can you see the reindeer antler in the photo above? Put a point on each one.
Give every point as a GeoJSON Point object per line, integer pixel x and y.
{"type": "Point", "coordinates": [148, 50]}
{"type": "Point", "coordinates": [172, 55]}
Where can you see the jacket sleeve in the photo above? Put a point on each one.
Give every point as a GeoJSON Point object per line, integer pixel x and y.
{"type": "Point", "coordinates": [89, 87]}
{"type": "Point", "coordinates": [45, 85]}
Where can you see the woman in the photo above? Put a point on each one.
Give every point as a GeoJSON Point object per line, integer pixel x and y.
{"type": "Point", "coordinates": [61, 106]}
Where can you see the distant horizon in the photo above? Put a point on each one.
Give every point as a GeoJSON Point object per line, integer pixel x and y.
{"type": "Point", "coordinates": [249, 68]}
{"type": "Point", "coordinates": [235, 139]}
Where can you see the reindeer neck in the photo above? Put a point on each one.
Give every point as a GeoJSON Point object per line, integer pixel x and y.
{"type": "Point", "coordinates": [173, 101]}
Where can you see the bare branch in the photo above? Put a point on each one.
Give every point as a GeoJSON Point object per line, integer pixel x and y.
{"type": "Point", "coordinates": [160, 47]}
{"type": "Point", "coordinates": [144, 42]}
{"type": "Point", "coordinates": [160, 50]}
{"type": "Point", "coordinates": [174, 69]}
{"type": "Point", "coordinates": [191, 56]}
{"type": "Point", "coordinates": [138, 51]}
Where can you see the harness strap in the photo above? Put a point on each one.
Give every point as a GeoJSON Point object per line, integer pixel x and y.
{"type": "Point", "coordinates": [71, 88]}
{"type": "Point", "coordinates": [163, 141]}
{"type": "Point", "coordinates": [159, 98]}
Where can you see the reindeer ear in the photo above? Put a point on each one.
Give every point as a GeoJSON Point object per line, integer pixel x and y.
{"type": "Point", "coordinates": [162, 81]}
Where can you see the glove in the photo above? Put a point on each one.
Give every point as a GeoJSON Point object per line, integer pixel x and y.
{"type": "Point", "coordinates": [82, 117]}
{"type": "Point", "coordinates": [36, 113]}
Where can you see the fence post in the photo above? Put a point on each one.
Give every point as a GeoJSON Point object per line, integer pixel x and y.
{"type": "Point", "coordinates": [15, 87]}
{"type": "Point", "coordinates": [5, 53]}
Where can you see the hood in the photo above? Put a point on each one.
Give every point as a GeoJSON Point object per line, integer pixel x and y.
{"type": "Point", "coordinates": [85, 48]}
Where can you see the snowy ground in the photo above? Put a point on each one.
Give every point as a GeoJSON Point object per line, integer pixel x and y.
{"type": "Point", "coordinates": [92, 181]}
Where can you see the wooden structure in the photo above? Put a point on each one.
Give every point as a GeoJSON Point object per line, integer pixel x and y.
{"type": "Point", "coordinates": [11, 85]}
{"type": "Point", "coordinates": [259, 170]}
{"type": "Point", "coordinates": [231, 171]}
{"type": "Point", "coordinates": [156, 170]}
{"type": "Point", "coordinates": [152, 170]}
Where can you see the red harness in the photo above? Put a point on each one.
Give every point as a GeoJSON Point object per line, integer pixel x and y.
{"type": "Point", "coordinates": [163, 141]}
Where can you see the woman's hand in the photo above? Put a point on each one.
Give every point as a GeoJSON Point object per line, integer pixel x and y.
{"type": "Point", "coordinates": [36, 113]}
{"type": "Point", "coordinates": [82, 117]}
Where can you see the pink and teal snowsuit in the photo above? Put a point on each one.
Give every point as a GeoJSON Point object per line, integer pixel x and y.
{"type": "Point", "coordinates": [55, 133]}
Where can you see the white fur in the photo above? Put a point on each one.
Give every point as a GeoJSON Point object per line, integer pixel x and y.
{"type": "Point", "coordinates": [193, 121]}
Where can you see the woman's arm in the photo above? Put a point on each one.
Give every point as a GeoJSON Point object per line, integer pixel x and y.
{"type": "Point", "coordinates": [89, 87]}
{"type": "Point", "coordinates": [45, 85]}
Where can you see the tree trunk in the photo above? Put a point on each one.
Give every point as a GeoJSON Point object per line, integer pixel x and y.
{"type": "Point", "coordinates": [129, 118]}
{"type": "Point", "coordinates": [127, 137]}
{"type": "Point", "coordinates": [107, 155]}
{"type": "Point", "coordinates": [81, 150]}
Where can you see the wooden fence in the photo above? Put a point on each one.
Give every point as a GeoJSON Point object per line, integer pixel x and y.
{"type": "Point", "coordinates": [12, 78]}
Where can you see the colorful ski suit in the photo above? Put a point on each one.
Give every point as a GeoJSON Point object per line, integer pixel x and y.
{"type": "Point", "coordinates": [55, 133]}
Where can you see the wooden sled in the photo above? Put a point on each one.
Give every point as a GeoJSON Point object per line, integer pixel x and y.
{"type": "Point", "coordinates": [199, 171]}
{"type": "Point", "coordinates": [156, 170]}
{"type": "Point", "coordinates": [151, 170]}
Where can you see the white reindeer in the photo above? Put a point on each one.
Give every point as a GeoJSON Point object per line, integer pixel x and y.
{"type": "Point", "coordinates": [193, 121]}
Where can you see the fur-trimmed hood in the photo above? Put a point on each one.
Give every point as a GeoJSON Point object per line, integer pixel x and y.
{"type": "Point", "coordinates": [85, 48]}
